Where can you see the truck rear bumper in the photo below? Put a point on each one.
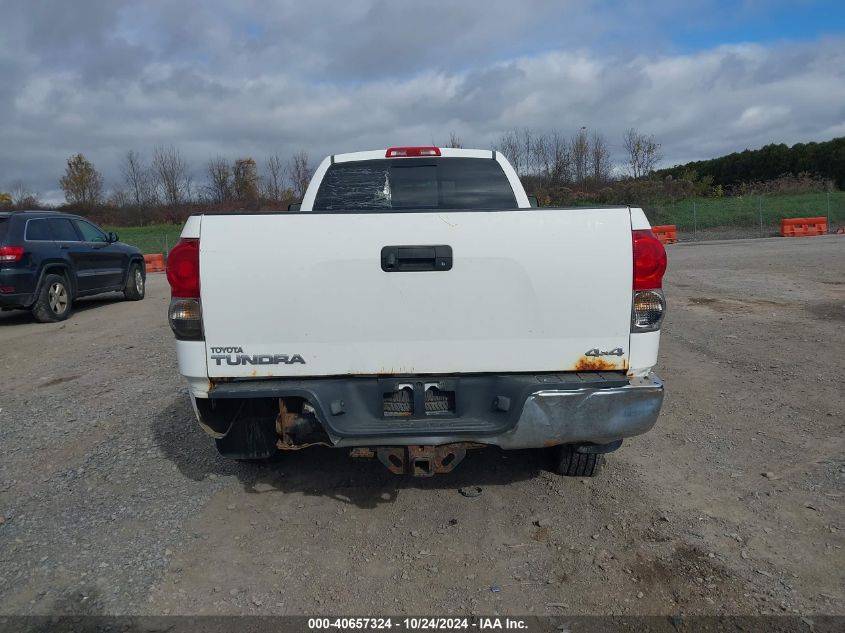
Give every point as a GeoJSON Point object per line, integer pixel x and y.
{"type": "Point", "coordinates": [552, 417]}
{"type": "Point", "coordinates": [586, 415]}
{"type": "Point", "coordinates": [541, 410]}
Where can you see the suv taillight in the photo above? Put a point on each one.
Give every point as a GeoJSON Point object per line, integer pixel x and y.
{"type": "Point", "coordinates": [183, 275]}
{"type": "Point", "coordinates": [649, 304]}
{"type": "Point", "coordinates": [11, 253]}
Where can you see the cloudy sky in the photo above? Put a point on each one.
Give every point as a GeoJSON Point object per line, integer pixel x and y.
{"type": "Point", "coordinates": [252, 77]}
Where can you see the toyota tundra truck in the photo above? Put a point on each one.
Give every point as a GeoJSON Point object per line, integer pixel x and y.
{"type": "Point", "coordinates": [416, 305]}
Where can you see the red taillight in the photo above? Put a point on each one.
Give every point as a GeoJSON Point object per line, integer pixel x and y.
{"type": "Point", "coordinates": [11, 253]}
{"type": "Point", "coordinates": [183, 269]}
{"type": "Point", "coordinates": [404, 152]}
{"type": "Point", "coordinates": [649, 261]}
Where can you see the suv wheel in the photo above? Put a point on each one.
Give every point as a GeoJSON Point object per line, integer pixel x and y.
{"type": "Point", "coordinates": [54, 300]}
{"type": "Point", "coordinates": [135, 284]}
{"type": "Point", "coordinates": [570, 463]}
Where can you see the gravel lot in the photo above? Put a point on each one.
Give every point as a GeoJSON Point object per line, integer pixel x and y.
{"type": "Point", "coordinates": [113, 501]}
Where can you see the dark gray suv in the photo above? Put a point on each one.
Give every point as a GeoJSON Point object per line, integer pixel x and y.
{"type": "Point", "coordinates": [48, 259]}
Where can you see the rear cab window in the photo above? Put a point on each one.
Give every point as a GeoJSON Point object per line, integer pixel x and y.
{"type": "Point", "coordinates": [415, 183]}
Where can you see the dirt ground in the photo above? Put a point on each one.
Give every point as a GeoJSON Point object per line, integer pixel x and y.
{"type": "Point", "coordinates": [113, 501]}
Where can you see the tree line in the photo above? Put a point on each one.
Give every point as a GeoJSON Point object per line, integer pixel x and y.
{"type": "Point", "coordinates": [558, 169]}
{"type": "Point", "coordinates": [165, 188]}
{"type": "Point", "coordinates": [554, 166]}
{"type": "Point", "coordinates": [825, 160]}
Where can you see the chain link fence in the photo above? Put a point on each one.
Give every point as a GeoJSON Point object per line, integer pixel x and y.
{"type": "Point", "coordinates": [746, 216]}
{"type": "Point", "coordinates": [695, 219]}
{"type": "Point", "coordinates": [150, 243]}
{"type": "Point", "coordinates": [158, 238]}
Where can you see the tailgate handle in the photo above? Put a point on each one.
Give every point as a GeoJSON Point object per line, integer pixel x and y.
{"type": "Point", "coordinates": [397, 259]}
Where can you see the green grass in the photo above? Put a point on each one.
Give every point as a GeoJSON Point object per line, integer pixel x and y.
{"type": "Point", "coordinates": [154, 238]}
{"type": "Point", "coordinates": [747, 210]}
{"type": "Point", "coordinates": [709, 213]}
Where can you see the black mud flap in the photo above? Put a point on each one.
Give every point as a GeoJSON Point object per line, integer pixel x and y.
{"type": "Point", "coordinates": [249, 438]}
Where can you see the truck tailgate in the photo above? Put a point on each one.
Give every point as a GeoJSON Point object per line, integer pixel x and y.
{"type": "Point", "coordinates": [304, 294]}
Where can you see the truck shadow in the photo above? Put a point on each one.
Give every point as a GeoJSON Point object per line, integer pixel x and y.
{"type": "Point", "coordinates": [328, 472]}
{"type": "Point", "coordinates": [77, 609]}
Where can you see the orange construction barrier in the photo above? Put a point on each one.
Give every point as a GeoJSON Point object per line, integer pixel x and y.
{"type": "Point", "coordinates": [666, 233]}
{"type": "Point", "coordinates": [154, 263]}
{"type": "Point", "coordinates": [800, 227]}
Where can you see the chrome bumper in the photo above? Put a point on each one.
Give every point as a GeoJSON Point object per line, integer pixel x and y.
{"type": "Point", "coordinates": [586, 415]}
{"type": "Point", "coordinates": [551, 417]}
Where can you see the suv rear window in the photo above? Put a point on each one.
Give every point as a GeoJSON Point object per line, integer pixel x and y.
{"type": "Point", "coordinates": [415, 183]}
{"type": "Point", "coordinates": [4, 223]}
{"type": "Point", "coordinates": [38, 230]}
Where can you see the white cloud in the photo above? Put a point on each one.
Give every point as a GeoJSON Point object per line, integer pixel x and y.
{"type": "Point", "coordinates": [251, 81]}
{"type": "Point", "coordinates": [758, 117]}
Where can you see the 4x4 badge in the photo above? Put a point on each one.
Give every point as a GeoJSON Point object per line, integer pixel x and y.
{"type": "Point", "coordinates": [617, 351]}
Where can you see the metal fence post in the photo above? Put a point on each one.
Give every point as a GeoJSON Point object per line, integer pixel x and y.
{"type": "Point", "coordinates": [829, 228]}
{"type": "Point", "coordinates": [760, 211]}
{"type": "Point", "coordinates": [694, 222]}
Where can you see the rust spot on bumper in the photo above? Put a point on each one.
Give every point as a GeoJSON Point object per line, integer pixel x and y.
{"type": "Point", "coordinates": [594, 363]}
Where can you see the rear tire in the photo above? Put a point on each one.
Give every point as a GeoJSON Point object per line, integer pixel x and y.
{"type": "Point", "coordinates": [54, 300]}
{"type": "Point", "coordinates": [135, 284]}
{"type": "Point", "coordinates": [569, 463]}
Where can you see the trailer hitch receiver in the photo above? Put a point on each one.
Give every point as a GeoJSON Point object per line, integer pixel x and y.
{"type": "Point", "coordinates": [421, 461]}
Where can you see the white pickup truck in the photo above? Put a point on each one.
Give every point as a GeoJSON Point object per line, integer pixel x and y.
{"type": "Point", "coordinates": [417, 305]}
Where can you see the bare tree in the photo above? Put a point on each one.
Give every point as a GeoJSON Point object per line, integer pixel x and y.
{"type": "Point", "coordinates": [119, 199]}
{"type": "Point", "coordinates": [643, 153]}
{"type": "Point", "coordinates": [579, 147]}
{"type": "Point", "coordinates": [172, 174]}
{"type": "Point", "coordinates": [560, 159]}
{"type": "Point", "coordinates": [541, 156]}
{"type": "Point", "coordinates": [529, 155]}
{"type": "Point", "coordinates": [299, 172]}
{"type": "Point", "coordinates": [600, 166]}
{"type": "Point", "coordinates": [274, 178]}
{"type": "Point", "coordinates": [551, 159]}
{"type": "Point", "coordinates": [547, 161]}
{"type": "Point", "coordinates": [140, 189]}
{"type": "Point", "coordinates": [510, 145]}
{"type": "Point", "coordinates": [219, 174]}
{"type": "Point", "coordinates": [455, 140]}
{"type": "Point", "coordinates": [22, 197]}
